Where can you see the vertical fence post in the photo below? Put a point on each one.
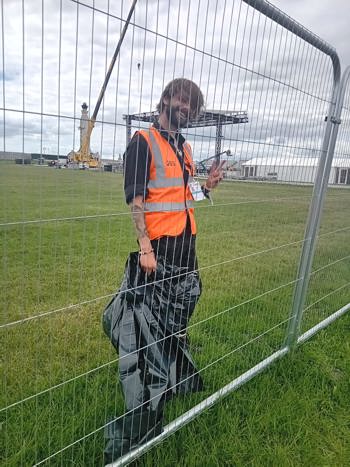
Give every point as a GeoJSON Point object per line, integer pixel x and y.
{"type": "Point", "coordinates": [218, 137]}
{"type": "Point", "coordinates": [316, 208]}
{"type": "Point", "coordinates": [128, 128]}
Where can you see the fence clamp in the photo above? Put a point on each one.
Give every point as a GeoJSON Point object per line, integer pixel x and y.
{"type": "Point", "coordinates": [335, 120]}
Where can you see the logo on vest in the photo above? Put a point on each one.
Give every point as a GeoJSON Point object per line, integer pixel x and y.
{"type": "Point", "coordinates": [170, 163]}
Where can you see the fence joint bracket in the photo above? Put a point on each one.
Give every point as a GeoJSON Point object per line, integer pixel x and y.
{"type": "Point", "coordinates": [335, 120]}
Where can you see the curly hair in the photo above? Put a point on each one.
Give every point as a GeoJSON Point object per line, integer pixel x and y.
{"type": "Point", "coordinates": [188, 90]}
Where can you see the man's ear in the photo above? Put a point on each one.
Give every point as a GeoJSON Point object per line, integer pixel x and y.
{"type": "Point", "coordinates": [166, 101]}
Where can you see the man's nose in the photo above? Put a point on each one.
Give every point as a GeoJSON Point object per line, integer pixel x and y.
{"type": "Point", "coordinates": [185, 108]}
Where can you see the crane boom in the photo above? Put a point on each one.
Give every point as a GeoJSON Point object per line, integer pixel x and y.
{"type": "Point", "coordinates": [84, 155]}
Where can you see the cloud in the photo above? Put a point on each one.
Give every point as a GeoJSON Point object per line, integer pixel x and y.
{"type": "Point", "coordinates": [328, 19]}
{"type": "Point", "coordinates": [240, 59]}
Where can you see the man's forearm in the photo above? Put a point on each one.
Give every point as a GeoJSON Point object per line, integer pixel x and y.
{"type": "Point", "coordinates": [139, 221]}
{"type": "Point", "coordinates": [138, 216]}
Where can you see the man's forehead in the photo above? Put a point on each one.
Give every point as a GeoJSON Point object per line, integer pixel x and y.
{"type": "Point", "coordinates": [181, 95]}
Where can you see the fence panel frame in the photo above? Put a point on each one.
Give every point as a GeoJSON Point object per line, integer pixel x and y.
{"type": "Point", "coordinates": [336, 121]}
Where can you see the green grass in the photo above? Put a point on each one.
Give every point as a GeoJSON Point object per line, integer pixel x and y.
{"type": "Point", "coordinates": [249, 242]}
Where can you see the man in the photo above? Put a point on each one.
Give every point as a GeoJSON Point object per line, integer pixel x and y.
{"type": "Point", "coordinates": [148, 318]}
{"type": "Point", "coordinates": [181, 101]}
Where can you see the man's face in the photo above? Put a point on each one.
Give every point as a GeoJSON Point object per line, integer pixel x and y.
{"type": "Point", "coordinates": [178, 111]}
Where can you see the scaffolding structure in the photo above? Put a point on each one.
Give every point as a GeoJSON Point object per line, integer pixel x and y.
{"type": "Point", "coordinates": [216, 118]}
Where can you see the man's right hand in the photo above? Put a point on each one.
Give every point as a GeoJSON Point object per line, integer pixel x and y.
{"type": "Point", "coordinates": [148, 262]}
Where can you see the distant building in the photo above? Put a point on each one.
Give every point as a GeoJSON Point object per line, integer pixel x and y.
{"type": "Point", "coordinates": [294, 169]}
{"type": "Point", "coordinates": [113, 165]}
{"type": "Point", "coordinates": [32, 157]}
{"type": "Point", "coordinates": [11, 155]}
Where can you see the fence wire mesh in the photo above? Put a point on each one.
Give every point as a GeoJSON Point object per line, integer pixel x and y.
{"type": "Point", "coordinates": [331, 267]}
{"type": "Point", "coordinates": [66, 234]}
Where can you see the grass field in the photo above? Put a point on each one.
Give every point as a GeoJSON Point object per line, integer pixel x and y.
{"type": "Point", "coordinates": [65, 237]}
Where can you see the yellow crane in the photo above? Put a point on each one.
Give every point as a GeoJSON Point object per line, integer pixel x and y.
{"type": "Point", "coordinates": [84, 155]}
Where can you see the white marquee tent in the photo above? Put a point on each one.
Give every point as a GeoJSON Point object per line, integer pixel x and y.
{"type": "Point", "coordinates": [295, 169]}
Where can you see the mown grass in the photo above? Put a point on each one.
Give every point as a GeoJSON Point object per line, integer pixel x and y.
{"type": "Point", "coordinates": [249, 242]}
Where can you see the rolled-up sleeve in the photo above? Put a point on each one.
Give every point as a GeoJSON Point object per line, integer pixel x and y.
{"type": "Point", "coordinates": [137, 162]}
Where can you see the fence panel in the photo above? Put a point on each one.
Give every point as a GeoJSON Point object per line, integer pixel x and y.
{"type": "Point", "coordinates": [66, 233]}
{"type": "Point", "coordinates": [328, 291]}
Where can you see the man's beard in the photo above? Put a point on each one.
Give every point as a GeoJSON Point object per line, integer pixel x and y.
{"type": "Point", "coordinates": [174, 117]}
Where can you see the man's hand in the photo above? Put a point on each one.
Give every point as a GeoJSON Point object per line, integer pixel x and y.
{"type": "Point", "coordinates": [215, 175]}
{"type": "Point", "coordinates": [148, 261]}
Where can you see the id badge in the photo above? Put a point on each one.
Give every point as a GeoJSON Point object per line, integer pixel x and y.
{"type": "Point", "coordinates": [196, 190]}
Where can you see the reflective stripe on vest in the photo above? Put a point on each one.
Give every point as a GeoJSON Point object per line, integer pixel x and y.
{"type": "Point", "coordinates": [165, 182]}
{"type": "Point", "coordinates": [167, 207]}
{"type": "Point", "coordinates": [161, 181]}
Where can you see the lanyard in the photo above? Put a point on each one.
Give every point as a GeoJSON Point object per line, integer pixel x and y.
{"type": "Point", "coordinates": [181, 158]}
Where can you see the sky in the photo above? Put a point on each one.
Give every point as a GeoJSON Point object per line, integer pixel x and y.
{"type": "Point", "coordinates": [55, 54]}
{"type": "Point", "coordinates": [329, 19]}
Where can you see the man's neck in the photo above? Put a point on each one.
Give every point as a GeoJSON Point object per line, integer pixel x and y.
{"type": "Point", "coordinates": [166, 125]}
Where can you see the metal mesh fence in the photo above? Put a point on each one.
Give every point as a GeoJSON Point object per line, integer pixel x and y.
{"type": "Point", "coordinates": [331, 271]}
{"type": "Point", "coordinates": [66, 234]}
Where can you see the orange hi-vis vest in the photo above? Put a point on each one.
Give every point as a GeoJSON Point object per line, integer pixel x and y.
{"type": "Point", "coordinates": [168, 202]}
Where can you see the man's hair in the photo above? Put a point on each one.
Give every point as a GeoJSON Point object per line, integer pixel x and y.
{"type": "Point", "coordinates": [186, 89]}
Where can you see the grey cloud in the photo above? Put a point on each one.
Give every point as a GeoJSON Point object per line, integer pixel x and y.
{"type": "Point", "coordinates": [278, 114]}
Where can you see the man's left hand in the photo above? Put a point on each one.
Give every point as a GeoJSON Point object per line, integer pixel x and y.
{"type": "Point", "coordinates": [215, 175]}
